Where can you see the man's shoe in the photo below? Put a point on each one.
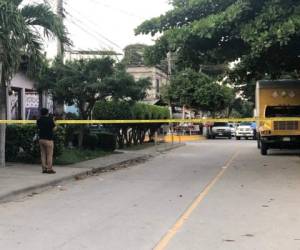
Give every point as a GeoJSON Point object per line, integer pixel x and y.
{"type": "Point", "coordinates": [51, 171]}
{"type": "Point", "coordinates": [44, 171]}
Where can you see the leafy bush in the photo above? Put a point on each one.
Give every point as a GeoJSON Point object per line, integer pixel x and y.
{"type": "Point", "coordinates": [107, 141]}
{"type": "Point", "coordinates": [112, 110]}
{"type": "Point", "coordinates": [71, 131]}
{"type": "Point", "coordinates": [20, 139]}
{"type": "Point", "coordinates": [130, 133]}
{"type": "Point", "coordinates": [90, 141]}
{"type": "Point", "coordinates": [12, 142]}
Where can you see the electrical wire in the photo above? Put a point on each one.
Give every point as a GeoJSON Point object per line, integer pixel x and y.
{"type": "Point", "coordinates": [94, 33]}
{"type": "Point", "coordinates": [82, 28]}
{"type": "Point", "coordinates": [95, 25]}
{"type": "Point", "coordinates": [127, 13]}
{"type": "Point", "coordinates": [75, 21]}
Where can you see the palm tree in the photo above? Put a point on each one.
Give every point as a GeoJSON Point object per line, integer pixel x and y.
{"type": "Point", "coordinates": [20, 35]}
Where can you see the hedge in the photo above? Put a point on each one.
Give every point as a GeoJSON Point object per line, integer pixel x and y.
{"type": "Point", "coordinates": [128, 134]}
{"type": "Point", "coordinates": [107, 141]}
{"type": "Point", "coordinates": [19, 141]}
{"type": "Point", "coordinates": [125, 110]}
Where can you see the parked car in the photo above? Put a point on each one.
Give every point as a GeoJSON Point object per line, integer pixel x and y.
{"type": "Point", "coordinates": [220, 129]}
{"type": "Point", "coordinates": [246, 130]}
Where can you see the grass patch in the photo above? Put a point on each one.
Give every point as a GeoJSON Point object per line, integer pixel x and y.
{"type": "Point", "coordinates": [71, 156]}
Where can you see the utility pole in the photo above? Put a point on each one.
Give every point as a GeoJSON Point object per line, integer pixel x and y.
{"type": "Point", "coordinates": [169, 59]}
{"type": "Point", "coordinates": [58, 106]}
{"type": "Point", "coordinates": [3, 113]}
{"type": "Point", "coordinates": [60, 13]}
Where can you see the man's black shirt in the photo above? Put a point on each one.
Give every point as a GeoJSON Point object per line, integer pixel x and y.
{"type": "Point", "coordinates": [45, 126]}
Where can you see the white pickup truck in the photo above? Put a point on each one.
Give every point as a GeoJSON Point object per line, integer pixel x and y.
{"type": "Point", "coordinates": [245, 130]}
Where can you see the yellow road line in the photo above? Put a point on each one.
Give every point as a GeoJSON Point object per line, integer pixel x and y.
{"type": "Point", "coordinates": [163, 243]}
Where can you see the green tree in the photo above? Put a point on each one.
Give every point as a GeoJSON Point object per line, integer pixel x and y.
{"type": "Point", "coordinates": [19, 37]}
{"type": "Point", "coordinates": [262, 35]}
{"type": "Point", "coordinates": [84, 82]}
{"type": "Point", "coordinates": [198, 91]}
{"type": "Point", "coordinates": [242, 108]}
{"type": "Point", "coordinates": [215, 99]}
{"type": "Point", "coordinates": [80, 83]}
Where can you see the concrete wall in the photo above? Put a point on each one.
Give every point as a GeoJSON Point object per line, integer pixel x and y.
{"type": "Point", "coordinates": [20, 80]}
{"type": "Point", "coordinates": [154, 74]}
{"type": "Point", "coordinates": [20, 83]}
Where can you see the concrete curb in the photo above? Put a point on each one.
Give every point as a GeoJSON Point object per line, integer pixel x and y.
{"type": "Point", "coordinates": [36, 189]}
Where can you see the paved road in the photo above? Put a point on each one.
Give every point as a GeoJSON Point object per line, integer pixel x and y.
{"type": "Point", "coordinates": [210, 195]}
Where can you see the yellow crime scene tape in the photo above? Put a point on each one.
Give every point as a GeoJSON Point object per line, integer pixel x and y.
{"type": "Point", "coordinates": [203, 120]}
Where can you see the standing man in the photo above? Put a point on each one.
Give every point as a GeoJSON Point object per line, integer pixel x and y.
{"type": "Point", "coordinates": [46, 127]}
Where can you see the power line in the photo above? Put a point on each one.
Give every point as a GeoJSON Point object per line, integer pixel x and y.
{"type": "Point", "coordinates": [95, 25]}
{"type": "Point", "coordinates": [75, 21]}
{"type": "Point", "coordinates": [119, 10]}
{"type": "Point", "coordinates": [79, 24]}
{"type": "Point", "coordinates": [91, 34]}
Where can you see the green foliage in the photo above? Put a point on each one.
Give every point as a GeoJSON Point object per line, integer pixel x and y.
{"type": "Point", "coordinates": [107, 141]}
{"type": "Point", "coordinates": [127, 111]}
{"type": "Point", "coordinates": [84, 82]}
{"type": "Point", "coordinates": [198, 91]}
{"type": "Point", "coordinates": [21, 42]}
{"type": "Point", "coordinates": [263, 35]}
{"type": "Point", "coordinates": [112, 111]}
{"type": "Point", "coordinates": [59, 140]}
{"type": "Point", "coordinates": [90, 141]}
{"type": "Point", "coordinates": [21, 137]}
{"type": "Point", "coordinates": [122, 86]}
{"type": "Point", "coordinates": [242, 108]}
{"type": "Point", "coordinates": [19, 33]}
{"type": "Point", "coordinates": [149, 112]}
{"type": "Point", "coordinates": [72, 156]}
{"type": "Point", "coordinates": [128, 134]}
{"type": "Point", "coordinates": [214, 97]}
{"type": "Point", "coordinates": [71, 130]}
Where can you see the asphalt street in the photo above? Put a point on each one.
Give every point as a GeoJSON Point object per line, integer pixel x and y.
{"type": "Point", "coordinates": [219, 194]}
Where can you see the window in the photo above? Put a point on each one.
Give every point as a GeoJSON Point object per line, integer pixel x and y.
{"type": "Point", "coordinates": [157, 86]}
{"type": "Point", "coordinates": [220, 124]}
{"type": "Point", "coordinates": [283, 111]}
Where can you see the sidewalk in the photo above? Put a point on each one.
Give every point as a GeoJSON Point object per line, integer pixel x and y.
{"type": "Point", "coordinates": [20, 180]}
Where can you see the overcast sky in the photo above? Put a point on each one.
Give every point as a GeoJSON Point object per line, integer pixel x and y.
{"type": "Point", "coordinates": [105, 24]}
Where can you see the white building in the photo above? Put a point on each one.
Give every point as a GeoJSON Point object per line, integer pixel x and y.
{"type": "Point", "coordinates": [23, 99]}
{"type": "Point", "coordinates": [157, 77]}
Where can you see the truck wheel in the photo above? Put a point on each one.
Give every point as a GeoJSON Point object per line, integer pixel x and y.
{"type": "Point", "coordinates": [229, 137]}
{"type": "Point", "coordinates": [238, 138]}
{"type": "Point", "coordinates": [263, 149]}
{"type": "Point", "coordinates": [258, 144]}
{"type": "Point", "coordinates": [213, 137]}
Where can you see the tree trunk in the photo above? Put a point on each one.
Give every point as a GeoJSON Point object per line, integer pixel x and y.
{"type": "Point", "coordinates": [83, 116]}
{"type": "Point", "coordinates": [81, 135]}
{"type": "Point", "coordinates": [120, 139]}
{"type": "Point", "coordinates": [2, 117]}
{"type": "Point", "coordinates": [58, 108]}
